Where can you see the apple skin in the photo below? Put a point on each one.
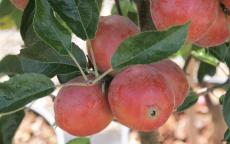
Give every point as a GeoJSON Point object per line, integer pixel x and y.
{"type": "Point", "coordinates": [226, 3]}
{"type": "Point", "coordinates": [205, 16]}
{"type": "Point", "coordinates": [112, 30]}
{"type": "Point", "coordinates": [20, 4]}
{"type": "Point", "coordinates": [176, 77]}
{"type": "Point", "coordinates": [217, 34]}
{"type": "Point", "coordinates": [141, 98]}
{"type": "Point", "coordinates": [82, 111]}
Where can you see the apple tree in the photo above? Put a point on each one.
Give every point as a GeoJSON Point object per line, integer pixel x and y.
{"type": "Point", "coordinates": [127, 74]}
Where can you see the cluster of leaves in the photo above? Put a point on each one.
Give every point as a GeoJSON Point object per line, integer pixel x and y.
{"type": "Point", "coordinates": [46, 29]}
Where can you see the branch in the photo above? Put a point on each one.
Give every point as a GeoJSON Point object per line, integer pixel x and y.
{"type": "Point", "coordinates": [146, 23]}
{"type": "Point", "coordinates": [117, 2]}
{"type": "Point", "coordinates": [78, 65]}
{"type": "Point", "coordinates": [149, 138]}
{"type": "Point", "coordinates": [145, 19]}
{"type": "Point", "coordinates": [213, 88]}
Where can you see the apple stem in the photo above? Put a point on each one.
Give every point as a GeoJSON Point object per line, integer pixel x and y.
{"type": "Point", "coordinates": [93, 59]}
{"type": "Point", "coordinates": [144, 15]}
{"type": "Point", "coordinates": [102, 76]}
{"type": "Point", "coordinates": [78, 65]}
{"type": "Point", "coordinates": [88, 83]}
{"type": "Point", "coordinates": [72, 84]}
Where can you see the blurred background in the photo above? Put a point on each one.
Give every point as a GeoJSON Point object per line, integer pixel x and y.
{"type": "Point", "coordinates": [201, 124]}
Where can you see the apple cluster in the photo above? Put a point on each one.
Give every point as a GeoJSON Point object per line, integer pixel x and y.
{"type": "Point", "coordinates": [208, 22]}
{"type": "Point", "coordinates": [141, 97]}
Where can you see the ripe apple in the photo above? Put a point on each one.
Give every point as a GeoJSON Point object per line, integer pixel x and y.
{"type": "Point", "coordinates": [141, 98]}
{"type": "Point", "coordinates": [112, 30]}
{"type": "Point", "coordinates": [176, 77]}
{"type": "Point", "coordinates": [82, 110]}
{"type": "Point", "coordinates": [208, 26]}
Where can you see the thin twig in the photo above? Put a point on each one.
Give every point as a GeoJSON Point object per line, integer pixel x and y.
{"type": "Point", "coordinates": [213, 88]}
{"type": "Point", "coordinates": [118, 6]}
{"type": "Point", "coordinates": [78, 65]}
{"type": "Point", "coordinates": [186, 63]}
{"type": "Point", "coordinates": [88, 83]}
{"type": "Point", "coordinates": [72, 84]}
{"type": "Point", "coordinates": [93, 58]}
{"type": "Point", "coordinates": [11, 112]}
{"type": "Point", "coordinates": [145, 20]}
{"type": "Point", "coordinates": [102, 76]}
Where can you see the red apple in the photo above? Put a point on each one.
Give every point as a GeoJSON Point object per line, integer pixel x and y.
{"type": "Point", "coordinates": [141, 98]}
{"type": "Point", "coordinates": [111, 32]}
{"type": "Point", "coordinates": [82, 110]}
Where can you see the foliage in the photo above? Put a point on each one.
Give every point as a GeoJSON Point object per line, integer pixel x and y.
{"type": "Point", "coordinates": [79, 141]}
{"type": "Point", "coordinates": [47, 26]}
{"type": "Point", "coordinates": [189, 101]}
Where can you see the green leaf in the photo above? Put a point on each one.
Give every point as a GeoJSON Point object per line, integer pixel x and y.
{"type": "Point", "coordinates": [125, 5]}
{"type": "Point", "coordinates": [13, 64]}
{"type": "Point", "coordinates": [49, 29]}
{"type": "Point", "coordinates": [27, 31]}
{"type": "Point", "coordinates": [39, 58]}
{"type": "Point", "coordinates": [16, 15]}
{"type": "Point", "coordinates": [23, 89]}
{"type": "Point", "coordinates": [222, 52]}
{"type": "Point", "coordinates": [63, 78]}
{"type": "Point", "coordinates": [134, 17]}
{"type": "Point", "coordinates": [99, 2]}
{"type": "Point", "coordinates": [79, 141]}
{"type": "Point", "coordinates": [43, 53]}
{"type": "Point", "coordinates": [205, 69]}
{"type": "Point", "coordinates": [5, 8]}
{"type": "Point", "coordinates": [189, 101]}
{"type": "Point", "coordinates": [148, 47]}
{"type": "Point", "coordinates": [227, 135]}
{"type": "Point", "coordinates": [42, 59]}
{"type": "Point", "coordinates": [206, 57]}
{"type": "Point", "coordinates": [80, 15]}
{"type": "Point", "coordinates": [9, 125]}
{"type": "Point", "coordinates": [226, 108]}
{"type": "Point", "coordinates": [221, 99]}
